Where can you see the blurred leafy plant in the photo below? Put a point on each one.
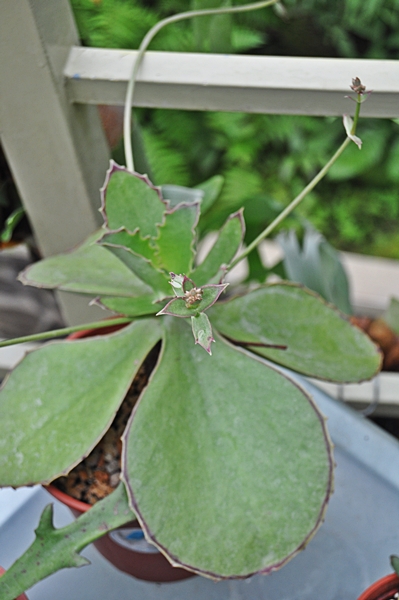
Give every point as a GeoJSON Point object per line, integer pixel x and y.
{"type": "Point", "coordinates": [357, 205]}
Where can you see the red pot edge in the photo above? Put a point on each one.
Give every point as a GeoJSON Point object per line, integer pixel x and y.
{"type": "Point", "coordinates": [70, 502]}
{"type": "Point", "coordinates": [22, 596]}
{"type": "Point", "coordinates": [387, 584]}
{"type": "Point", "coordinates": [92, 332]}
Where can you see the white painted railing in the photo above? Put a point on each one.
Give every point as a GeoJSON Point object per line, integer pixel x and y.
{"type": "Point", "coordinates": [253, 84]}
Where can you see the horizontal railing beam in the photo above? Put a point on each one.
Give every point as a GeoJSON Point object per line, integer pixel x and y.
{"type": "Point", "coordinates": [257, 84]}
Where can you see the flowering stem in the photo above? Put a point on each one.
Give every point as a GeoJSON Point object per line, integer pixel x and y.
{"type": "Point", "coordinates": [143, 47]}
{"type": "Point", "coordinates": [65, 331]}
{"type": "Point", "coordinates": [302, 195]}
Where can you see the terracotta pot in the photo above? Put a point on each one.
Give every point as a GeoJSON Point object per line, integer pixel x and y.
{"type": "Point", "coordinates": [383, 589]}
{"type": "Point", "coordinates": [125, 547]}
{"type": "Point", "coordinates": [22, 596]}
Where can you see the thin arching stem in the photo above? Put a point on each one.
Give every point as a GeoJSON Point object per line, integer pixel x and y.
{"type": "Point", "coordinates": [127, 125]}
{"type": "Point", "coordinates": [266, 232]}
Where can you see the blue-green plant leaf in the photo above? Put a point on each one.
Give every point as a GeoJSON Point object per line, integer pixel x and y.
{"type": "Point", "coordinates": [88, 269]}
{"type": "Point", "coordinates": [59, 401]}
{"type": "Point", "coordinates": [317, 265]}
{"type": "Point", "coordinates": [132, 241]}
{"type": "Point", "coordinates": [224, 249]}
{"type": "Point", "coordinates": [177, 194]}
{"type": "Point", "coordinates": [141, 267]}
{"type": "Point", "coordinates": [391, 315]}
{"type": "Point", "coordinates": [320, 340]}
{"type": "Point", "coordinates": [235, 476]}
{"type": "Point", "coordinates": [130, 200]}
{"type": "Point", "coordinates": [211, 188]}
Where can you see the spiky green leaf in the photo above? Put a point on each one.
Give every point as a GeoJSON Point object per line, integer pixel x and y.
{"type": "Point", "coordinates": [55, 549]}
{"type": "Point", "coordinates": [130, 200]}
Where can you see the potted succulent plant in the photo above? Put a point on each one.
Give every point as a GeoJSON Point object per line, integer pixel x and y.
{"type": "Point", "coordinates": [226, 461]}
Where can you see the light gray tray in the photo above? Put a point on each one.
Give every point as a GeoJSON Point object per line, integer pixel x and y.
{"type": "Point", "coordinates": [350, 550]}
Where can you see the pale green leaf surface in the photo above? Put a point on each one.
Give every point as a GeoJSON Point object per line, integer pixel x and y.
{"type": "Point", "coordinates": [177, 194]}
{"type": "Point", "coordinates": [211, 188]}
{"type": "Point", "coordinates": [223, 251]}
{"type": "Point", "coordinates": [133, 241]}
{"type": "Point", "coordinates": [142, 268]}
{"type": "Point", "coordinates": [235, 474]}
{"type": "Point", "coordinates": [132, 202]}
{"type": "Point", "coordinates": [132, 307]}
{"type": "Point", "coordinates": [321, 342]}
{"type": "Point", "coordinates": [175, 243]}
{"type": "Point", "coordinates": [89, 269]}
{"type": "Point", "coordinates": [59, 401]}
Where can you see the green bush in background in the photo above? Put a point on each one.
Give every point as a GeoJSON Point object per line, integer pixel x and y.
{"type": "Point", "coordinates": [267, 159]}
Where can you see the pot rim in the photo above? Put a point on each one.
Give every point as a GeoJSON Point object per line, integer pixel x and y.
{"type": "Point", "coordinates": [387, 584]}
{"type": "Point", "coordinates": [67, 500]}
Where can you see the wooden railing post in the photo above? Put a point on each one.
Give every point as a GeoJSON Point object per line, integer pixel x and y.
{"type": "Point", "coordinates": [56, 150]}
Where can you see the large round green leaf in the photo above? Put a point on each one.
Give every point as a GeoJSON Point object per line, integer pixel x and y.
{"type": "Point", "coordinates": [59, 401]}
{"type": "Point", "coordinates": [320, 340]}
{"type": "Point", "coordinates": [227, 462]}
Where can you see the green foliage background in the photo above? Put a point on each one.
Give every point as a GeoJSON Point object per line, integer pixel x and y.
{"type": "Point", "coordinates": [267, 159]}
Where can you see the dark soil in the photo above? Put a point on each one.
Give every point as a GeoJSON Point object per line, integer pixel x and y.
{"type": "Point", "coordinates": [98, 474]}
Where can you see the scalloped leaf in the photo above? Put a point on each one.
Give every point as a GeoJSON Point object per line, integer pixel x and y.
{"type": "Point", "coordinates": [235, 476]}
{"type": "Point", "coordinates": [178, 307]}
{"type": "Point", "coordinates": [88, 269]}
{"type": "Point", "coordinates": [224, 249]}
{"type": "Point", "coordinates": [62, 385]}
{"type": "Point", "coordinates": [175, 242]}
{"type": "Point", "coordinates": [130, 200]}
{"type": "Point", "coordinates": [320, 340]}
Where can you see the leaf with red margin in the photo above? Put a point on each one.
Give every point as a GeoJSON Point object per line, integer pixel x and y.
{"type": "Point", "coordinates": [130, 200]}
{"type": "Point", "coordinates": [175, 242]}
{"type": "Point", "coordinates": [227, 462]}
